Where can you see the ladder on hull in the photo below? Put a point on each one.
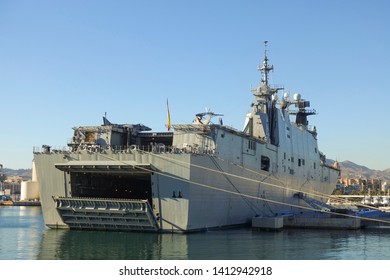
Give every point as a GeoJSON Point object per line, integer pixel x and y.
{"type": "Point", "coordinates": [106, 214]}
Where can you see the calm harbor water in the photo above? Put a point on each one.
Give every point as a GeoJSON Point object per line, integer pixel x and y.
{"type": "Point", "coordinates": [23, 236]}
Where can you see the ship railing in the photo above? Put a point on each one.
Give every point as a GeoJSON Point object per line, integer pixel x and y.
{"type": "Point", "coordinates": [175, 150]}
{"type": "Point", "coordinates": [155, 148]}
{"type": "Point", "coordinates": [48, 150]}
{"type": "Point", "coordinates": [158, 148]}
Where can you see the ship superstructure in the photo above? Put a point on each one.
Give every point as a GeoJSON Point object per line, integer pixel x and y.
{"type": "Point", "coordinates": [203, 175]}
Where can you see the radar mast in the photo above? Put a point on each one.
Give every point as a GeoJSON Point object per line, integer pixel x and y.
{"type": "Point", "coordinates": [265, 68]}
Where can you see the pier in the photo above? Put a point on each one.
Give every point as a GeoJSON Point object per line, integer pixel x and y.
{"type": "Point", "coordinates": [343, 219]}
{"type": "Point", "coordinates": [20, 203]}
{"type": "Point", "coordinates": [306, 221]}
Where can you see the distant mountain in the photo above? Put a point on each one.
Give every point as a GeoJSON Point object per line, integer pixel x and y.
{"type": "Point", "coordinates": [352, 170]}
{"type": "Point", "coordinates": [351, 165]}
{"type": "Point", "coordinates": [24, 173]}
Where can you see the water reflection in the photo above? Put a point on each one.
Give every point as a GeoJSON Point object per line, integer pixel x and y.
{"type": "Point", "coordinates": [20, 232]}
{"type": "Point", "coordinates": [237, 244]}
{"type": "Point", "coordinates": [24, 236]}
{"type": "Point", "coordinates": [92, 245]}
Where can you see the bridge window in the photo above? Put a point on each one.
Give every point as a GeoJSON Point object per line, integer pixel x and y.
{"type": "Point", "coordinates": [251, 145]}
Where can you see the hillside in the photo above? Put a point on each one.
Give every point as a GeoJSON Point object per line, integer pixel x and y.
{"type": "Point", "coordinates": [352, 170]}
{"type": "Point", "coordinates": [24, 173]}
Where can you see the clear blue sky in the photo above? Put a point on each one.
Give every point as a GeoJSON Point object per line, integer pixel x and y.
{"type": "Point", "coordinates": [66, 63]}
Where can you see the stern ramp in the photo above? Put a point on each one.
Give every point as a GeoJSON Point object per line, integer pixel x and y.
{"type": "Point", "coordinates": [106, 214]}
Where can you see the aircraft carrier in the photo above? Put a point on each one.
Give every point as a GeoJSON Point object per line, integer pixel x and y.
{"type": "Point", "coordinates": [202, 175]}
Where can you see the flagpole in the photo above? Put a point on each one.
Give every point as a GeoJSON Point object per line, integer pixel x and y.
{"type": "Point", "coordinates": [169, 117]}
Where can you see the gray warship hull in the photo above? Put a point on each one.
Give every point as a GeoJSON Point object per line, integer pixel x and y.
{"type": "Point", "coordinates": [164, 190]}
{"type": "Point", "coordinates": [201, 176]}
